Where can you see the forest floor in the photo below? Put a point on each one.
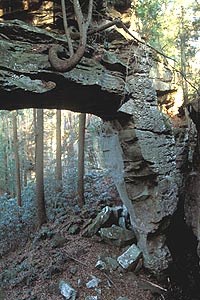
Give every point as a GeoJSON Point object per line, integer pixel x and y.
{"type": "Point", "coordinates": [54, 253]}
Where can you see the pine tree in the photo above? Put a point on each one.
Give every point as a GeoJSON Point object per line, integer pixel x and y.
{"type": "Point", "coordinates": [81, 150]}
{"type": "Point", "coordinates": [40, 201]}
{"type": "Point", "coordinates": [58, 152]}
{"type": "Point", "coordinates": [17, 162]}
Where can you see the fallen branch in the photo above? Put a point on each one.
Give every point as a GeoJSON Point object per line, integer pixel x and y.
{"type": "Point", "coordinates": [108, 278]}
{"type": "Point", "coordinates": [154, 285]}
{"type": "Point", "coordinates": [76, 260]}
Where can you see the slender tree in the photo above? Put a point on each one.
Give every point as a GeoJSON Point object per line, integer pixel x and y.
{"type": "Point", "coordinates": [58, 152]}
{"type": "Point", "coordinates": [183, 59]}
{"type": "Point", "coordinates": [4, 157]}
{"type": "Point", "coordinates": [9, 149]}
{"type": "Point", "coordinates": [81, 150]}
{"type": "Point", "coordinates": [17, 162]}
{"type": "Point", "coordinates": [41, 210]}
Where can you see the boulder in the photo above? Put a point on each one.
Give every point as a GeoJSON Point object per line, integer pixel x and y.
{"type": "Point", "coordinates": [107, 264]}
{"type": "Point", "coordinates": [67, 291]}
{"type": "Point", "coordinates": [93, 283]}
{"type": "Point", "coordinates": [98, 222]}
{"type": "Point", "coordinates": [117, 236]}
{"type": "Point", "coordinates": [128, 260]}
{"type": "Point", "coordinates": [74, 229]}
{"type": "Point", "coordinates": [58, 241]}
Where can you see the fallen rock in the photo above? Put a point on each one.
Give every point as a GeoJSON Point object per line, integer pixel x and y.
{"type": "Point", "coordinates": [98, 222]}
{"type": "Point", "coordinates": [67, 291]}
{"type": "Point", "coordinates": [130, 258]}
{"type": "Point", "coordinates": [107, 263]}
{"type": "Point", "coordinates": [101, 265]}
{"type": "Point", "coordinates": [73, 270]}
{"type": "Point", "coordinates": [74, 229]}
{"type": "Point", "coordinates": [117, 236]}
{"type": "Point", "coordinates": [58, 241]}
{"type": "Point", "coordinates": [93, 283]}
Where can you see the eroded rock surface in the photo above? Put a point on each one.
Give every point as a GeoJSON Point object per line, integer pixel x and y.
{"type": "Point", "coordinates": [192, 180]}
{"type": "Point", "coordinates": [149, 157]}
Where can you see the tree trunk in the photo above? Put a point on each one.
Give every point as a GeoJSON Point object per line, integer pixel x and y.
{"type": "Point", "coordinates": [5, 155]}
{"type": "Point", "coordinates": [17, 163]}
{"type": "Point", "coordinates": [6, 170]}
{"type": "Point", "coordinates": [25, 177]}
{"type": "Point", "coordinates": [183, 58]}
{"type": "Point", "coordinates": [81, 148]}
{"type": "Point", "coordinates": [58, 152]}
{"type": "Point", "coordinates": [41, 210]}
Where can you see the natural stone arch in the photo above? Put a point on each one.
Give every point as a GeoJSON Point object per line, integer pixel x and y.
{"type": "Point", "coordinates": [118, 89]}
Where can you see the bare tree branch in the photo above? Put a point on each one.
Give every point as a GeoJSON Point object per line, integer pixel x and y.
{"type": "Point", "coordinates": [78, 13]}
{"type": "Point", "coordinates": [67, 33]}
{"type": "Point", "coordinates": [89, 17]}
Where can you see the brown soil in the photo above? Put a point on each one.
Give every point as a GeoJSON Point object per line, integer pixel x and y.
{"type": "Point", "coordinates": [74, 261]}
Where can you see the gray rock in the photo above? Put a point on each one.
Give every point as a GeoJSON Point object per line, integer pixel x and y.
{"type": "Point", "coordinates": [98, 222]}
{"type": "Point", "coordinates": [73, 270]}
{"type": "Point", "coordinates": [159, 254]}
{"type": "Point", "coordinates": [67, 291]}
{"type": "Point", "coordinates": [58, 241]}
{"type": "Point", "coordinates": [91, 298]}
{"type": "Point", "coordinates": [107, 263]}
{"type": "Point", "coordinates": [111, 263]}
{"type": "Point", "coordinates": [122, 222]}
{"type": "Point", "coordinates": [79, 282]}
{"type": "Point", "coordinates": [101, 265]}
{"type": "Point", "coordinates": [117, 236]}
{"type": "Point", "coordinates": [93, 283]}
{"type": "Point", "coordinates": [74, 229]}
{"type": "Point", "coordinates": [150, 160]}
{"type": "Point", "coordinates": [129, 259]}
{"type": "Point", "coordinates": [122, 298]}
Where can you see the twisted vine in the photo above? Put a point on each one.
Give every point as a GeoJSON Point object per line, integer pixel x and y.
{"type": "Point", "coordinates": [83, 25]}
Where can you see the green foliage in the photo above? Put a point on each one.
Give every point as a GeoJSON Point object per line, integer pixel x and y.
{"type": "Point", "coordinates": [173, 27]}
{"type": "Point", "coordinates": [150, 13]}
{"type": "Point", "coordinates": [162, 22]}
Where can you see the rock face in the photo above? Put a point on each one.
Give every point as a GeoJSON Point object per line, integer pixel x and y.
{"type": "Point", "coordinates": [192, 180]}
{"type": "Point", "coordinates": [26, 74]}
{"type": "Point", "coordinates": [149, 158]}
